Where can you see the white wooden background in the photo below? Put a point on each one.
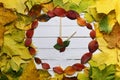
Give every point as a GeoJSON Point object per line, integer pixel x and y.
{"type": "Point", "coordinates": [45, 38]}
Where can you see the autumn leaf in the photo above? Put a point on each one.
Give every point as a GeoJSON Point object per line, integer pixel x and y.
{"type": "Point", "coordinates": [117, 10]}
{"type": "Point", "coordinates": [113, 38]}
{"type": "Point", "coordinates": [31, 72]}
{"type": "Point", "coordinates": [6, 16]}
{"type": "Point", "coordinates": [108, 73]}
{"type": "Point", "coordinates": [2, 30]}
{"type": "Point", "coordinates": [23, 22]}
{"type": "Point", "coordinates": [17, 5]}
{"type": "Point", "coordinates": [76, 1]}
{"type": "Point", "coordinates": [107, 22]}
{"type": "Point", "coordinates": [104, 6]}
{"type": "Point", "coordinates": [109, 48]}
{"type": "Point", "coordinates": [65, 1]}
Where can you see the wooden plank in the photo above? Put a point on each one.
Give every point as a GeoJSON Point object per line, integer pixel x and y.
{"type": "Point", "coordinates": [50, 42]}
{"type": "Point", "coordinates": [54, 54]}
{"type": "Point", "coordinates": [53, 31]}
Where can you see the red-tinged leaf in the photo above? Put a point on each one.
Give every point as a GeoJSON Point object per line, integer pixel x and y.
{"type": "Point", "coordinates": [32, 50]}
{"type": "Point", "coordinates": [62, 49]}
{"type": "Point", "coordinates": [29, 33]}
{"type": "Point", "coordinates": [88, 25]}
{"type": "Point", "coordinates": [93, 46]}
{"type": "Point", "coordinates": [69, 70]}
{"type": "Point", "coordinates": [69, 78]}
{"type": "Point", "coordinates": [45, 66]}
{"type": "Point", "coordinates": [72, 14]}
{"type": "Point", "coordinates": [59, 41]}
{"type": "Point", "coordinates": [28, 42]}
{"type": "Point", "coordinates": [38, 60]}
{"type": "Point", "coordinates": [81, 21]}
{"type": "Point", "coordinates": [59, 12]}
{"type": "Point", "coordinates": [43, 18]}
{"type": "Point", "coordinates": [34, 24]}
{"type": "Point", "coordinates": [78, 66]}
{"type": "Point", "coordinates": [51, 14]}
{"type": "Point", "coordinates": [35, 11]}
{"type": "Point", "coordinates": [92, 34]}
{"type": "Point", "coordinates": [86, 57]}
{"type": "Point", "coordinates": [58, 70]}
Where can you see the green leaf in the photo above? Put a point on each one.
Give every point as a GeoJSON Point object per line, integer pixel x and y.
{"type": "Point", "coordinates": [66, 43]}
{"type": "Point", "coordinates": [3, 77]}
{"type": "Point", "coordinates": [14, 73]}
{"type": "Point", "coordinates": [107, 22]}
{"type": "Point", "coordinates": [106, 74]}
{"type": "Point", "coordinates": [57, 46]}
{"type": "Point", "coordinates": [104, 24]}
{"type": "Point", "coordinates": [76, 5]}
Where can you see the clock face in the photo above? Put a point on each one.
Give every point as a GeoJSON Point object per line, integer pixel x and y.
{"type": "Point", "coordinates": [45, 37]}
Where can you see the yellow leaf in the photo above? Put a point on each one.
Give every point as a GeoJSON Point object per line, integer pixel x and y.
{"type": "Point", "coordinates": [76, 1]}
{"type": "Point", "coordinates": [105, 6]}
{"type": "Point", "coordinates": [6, 16]}
{"type": "Point", "coordinates": [17, 5]}
{"type": "Point", "coordinates": [65, 1]}
{"type": "Point", "coordinates": [88, 17]}
{"type": "Point", "coordinates": [18, 60]}
{"type": "Point", "coordinates": [117, 10]}
{"type": "Point", "coordinates": [105, 58]}
{"type": "Point", "coordinates": [47, 7]}
{"type": "Point", "coordinates": [13, 65]}
{"type": "Point", "coordinates": [30, 72]}
{"type": "Point", "coordinates": [98, 33]}
{"type": "Point", "coordinates": [111, 20]}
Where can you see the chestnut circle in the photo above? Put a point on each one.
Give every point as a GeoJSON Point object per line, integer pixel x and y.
{"type": "Point", "coordinates": [92, 46]}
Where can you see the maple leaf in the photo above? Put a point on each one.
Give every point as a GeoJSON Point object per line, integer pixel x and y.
{"type": "Point", "coordinates": [103, 6]}
{"type": "Point", "coordinates": [109, 48]}
{"type": "Point", "coordinates": [113, 39]}
{"type": "Point", "coordinates": [107, 22]}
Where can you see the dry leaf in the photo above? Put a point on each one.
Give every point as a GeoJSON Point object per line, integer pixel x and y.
{"type": "Point", "coordinates": [113, 39]}
{"type": "Point", "coordinates": [6, 16]}
{"type": "Point", "coordinates": [2, 30]}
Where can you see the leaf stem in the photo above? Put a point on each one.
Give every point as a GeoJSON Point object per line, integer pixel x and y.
{"type": "Point", "coordinates": [71, 36]}
{"type": "Point", "coordinates": [60, 29]}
